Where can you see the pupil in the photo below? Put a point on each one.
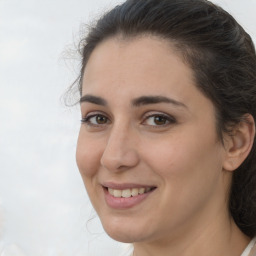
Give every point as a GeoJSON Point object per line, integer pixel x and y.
{"type": "Point", "coordinates": [160, 120]}
{"type": "Point", "coordinates": [101, 120]}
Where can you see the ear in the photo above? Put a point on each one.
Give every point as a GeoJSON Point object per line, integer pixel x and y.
{"type": "Point", "coordinates": [239, 144]}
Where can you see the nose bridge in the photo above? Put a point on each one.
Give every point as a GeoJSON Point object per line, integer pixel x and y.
{"type": "Point", "coordinates": [120, 150]}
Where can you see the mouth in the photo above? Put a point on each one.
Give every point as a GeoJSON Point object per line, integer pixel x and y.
{"type": "Point", "coordinates": [126, 196]}
{"type": "Point", "coordinates": [130, 192]}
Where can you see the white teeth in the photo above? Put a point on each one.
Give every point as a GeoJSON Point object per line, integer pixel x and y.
{"type": "Point", "coordinates": [128, 192]}
{"type": "Point", "coordinates": [135, 191]}
{"type": "Point", "coordinates": [111, 191]}
{"type": "Point", "coordinates": [117, 193]}
{"type": "Point", "coordinates": [141, 191]}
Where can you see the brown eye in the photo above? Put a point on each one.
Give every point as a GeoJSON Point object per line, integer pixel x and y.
{"type": "Point", "coordinates": [160, 120]}
{"type": "Point", "coordinates": [95, 120]}
{"type": "Point", "coordinates": [101, 119]}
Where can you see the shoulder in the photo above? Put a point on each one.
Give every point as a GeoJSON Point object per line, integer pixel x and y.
{"type": "Point", "coordinates": [251, 248]}
{"type": "Point", "coordinates": [127, 250]}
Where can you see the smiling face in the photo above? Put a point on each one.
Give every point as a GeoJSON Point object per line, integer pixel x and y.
{"type": "Point", "coordinates": [148, 151]}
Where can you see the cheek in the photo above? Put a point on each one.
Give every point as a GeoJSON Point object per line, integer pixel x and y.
{"type": "Point", "coordinates": [187, 156]}
{"type": "Point", "coordinates": [190, 169]}
{"type": "Point", "coordinates": [88, 155]}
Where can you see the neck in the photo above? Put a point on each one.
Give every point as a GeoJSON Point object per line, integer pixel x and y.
{"type": "Point", "coordinates": [219, 236]}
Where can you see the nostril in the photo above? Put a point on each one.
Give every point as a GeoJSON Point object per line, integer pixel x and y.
{"type": "Point", "coordinates": [119, 160]}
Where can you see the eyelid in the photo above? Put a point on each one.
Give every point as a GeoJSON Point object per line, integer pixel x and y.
{"type": "Point", "coordinates": [94, 113]}
{"type": "Point", "coordinates": [168, 117]}
{"type": "Point", "coordinates": [86, 118]}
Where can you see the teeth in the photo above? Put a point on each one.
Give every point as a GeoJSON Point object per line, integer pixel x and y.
{"type": "Point", "coordinates": [135, 191]}
{"type": "Point", "coordinates": [147, 190]}
{"type": "Point", "coordinates": [117, 193]}
{"type": "Point", "coordinates": [128, 192]}
{"type": "Point", "coordinates": [141, 191]}
{"type": "Point", "coordinates": [111, 191]}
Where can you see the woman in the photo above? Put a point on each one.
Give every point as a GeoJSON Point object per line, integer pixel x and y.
{"type": "Point", "coordinates": [167, 143]}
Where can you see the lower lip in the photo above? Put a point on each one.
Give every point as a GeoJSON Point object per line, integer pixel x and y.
{"type": "Point", "coordinates": [122, 202]}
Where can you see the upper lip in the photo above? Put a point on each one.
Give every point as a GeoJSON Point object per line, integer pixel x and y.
{"type": "Point", "coordinates": [122, 186]}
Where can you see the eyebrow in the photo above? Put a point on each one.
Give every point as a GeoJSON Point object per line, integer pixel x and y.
{"type": "Point", "coordinates": [137, 102]}
{"type": "Point", "coordinates": [93, 99]}
{"type": "Point", "coordinates": [146, 100]}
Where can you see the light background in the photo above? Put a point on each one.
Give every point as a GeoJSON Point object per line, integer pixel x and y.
{"type": "Point", "coordinates": [44, 210]}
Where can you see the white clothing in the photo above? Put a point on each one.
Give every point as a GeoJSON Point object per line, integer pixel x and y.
{"type": "Point", "coordinates": [250, 250]}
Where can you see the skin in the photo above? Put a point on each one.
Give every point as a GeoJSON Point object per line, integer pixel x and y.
{"type": "Point", "coordinates": [181, 155]}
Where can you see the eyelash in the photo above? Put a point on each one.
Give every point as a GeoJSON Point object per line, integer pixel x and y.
{"type": "Point", "coordinates": [87, 120]}
{"type": "Point", "coordinates": [166, 118]}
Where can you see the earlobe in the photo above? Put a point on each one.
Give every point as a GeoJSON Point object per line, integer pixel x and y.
{"type": "Point", "coordinates": [239, 144]}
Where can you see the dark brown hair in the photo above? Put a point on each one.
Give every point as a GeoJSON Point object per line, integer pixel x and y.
{"type": "Point", "coordinates": [222, 56]}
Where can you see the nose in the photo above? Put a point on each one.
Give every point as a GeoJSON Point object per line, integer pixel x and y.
{"type": "Point", "coordinates": [120, 152]}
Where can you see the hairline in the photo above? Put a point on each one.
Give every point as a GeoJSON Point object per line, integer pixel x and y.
{"type": "Point", "coordinates": [178, 47]}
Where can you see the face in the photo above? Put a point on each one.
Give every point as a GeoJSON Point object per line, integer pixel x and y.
{"type": "Point", "coordinates": [147, 150]}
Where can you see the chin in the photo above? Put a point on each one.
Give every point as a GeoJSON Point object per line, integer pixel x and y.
{"type": "Point", "coordinates": [124, 233]}
{"type": "Point", "coordinates": [123, 238]}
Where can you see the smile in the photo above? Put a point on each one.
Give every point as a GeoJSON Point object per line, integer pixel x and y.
{"type": "Point", "coordinates": [126, 193]}
{"type": "Point", "coordinates": [125, 196]}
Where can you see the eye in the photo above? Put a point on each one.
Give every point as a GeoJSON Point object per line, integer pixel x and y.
{"type": "Point", "coordinates": [159, 120]}
{"type": "Point", "coordinates": [95, 120]}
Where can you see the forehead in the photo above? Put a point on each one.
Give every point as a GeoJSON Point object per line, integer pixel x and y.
{"type": "Point", "coordinates": [121, 71]}
{"type": "Point", "coordinates": [145, 61]}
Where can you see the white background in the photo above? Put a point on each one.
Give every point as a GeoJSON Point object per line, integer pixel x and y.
{"type": "Point", "coordinates": [44, 209]}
